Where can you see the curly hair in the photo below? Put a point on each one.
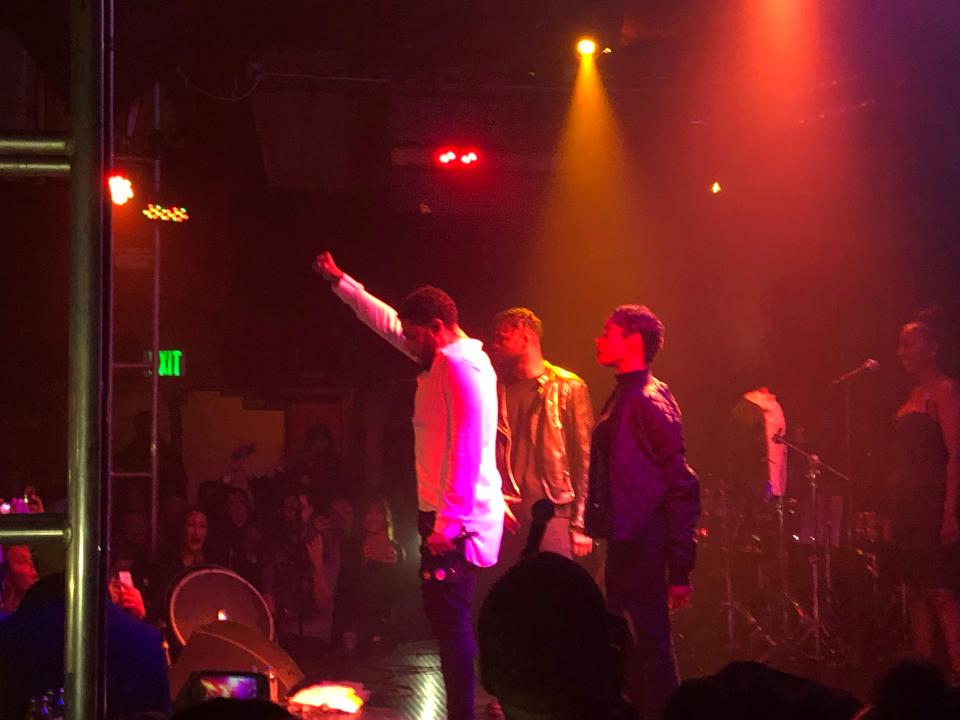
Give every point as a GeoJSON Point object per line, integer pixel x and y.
{"type": "Point", "coordinates": [520, 317]}
{"type": "Point", "coordinates": [426, 304]}
{"type": "Point", "coordinates": [641, 319]}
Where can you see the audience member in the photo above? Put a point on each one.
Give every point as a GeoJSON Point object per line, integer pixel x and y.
{"type": "Point", "coordinates": [751, 691]}
{"type": "Point", "coordinates": [173, 561]}
{"type": "Point", "coordinates": [547, 647]}
{"type": "Point", "coordinates": [237, 542]}
{"type": "Point", "coordinates": [19, 575]}
{"type": "Point", "coordinates": [31, 655]}
{"type": "Point", "coordinates": [295, 581]}
{"type": "Point", "coordinates": [913, 689]}
{"type": "Point", "coordinates": [369, 581]}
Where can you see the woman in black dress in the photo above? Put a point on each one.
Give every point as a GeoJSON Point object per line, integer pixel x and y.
{"type": "Point", "coordinates": [925, 522]}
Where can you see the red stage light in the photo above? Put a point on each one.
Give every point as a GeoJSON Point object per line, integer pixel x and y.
{"type": "Point", "coordinates": [446, 155]}
{"type": "Point", "coordinates": [457, 157]}
{"type": "Point", "coordinates": [121, 189]}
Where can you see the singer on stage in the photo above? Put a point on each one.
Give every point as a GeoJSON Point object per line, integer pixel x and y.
{"type": "Point", "coordinates": [643, 498]}
{"type": "Point", "coordinates": [458, 486]}
{"type": "Point", "coordinates": [927, 471]}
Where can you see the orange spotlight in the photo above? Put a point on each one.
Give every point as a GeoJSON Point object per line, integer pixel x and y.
{"type": "Point", "coordinates": [587, 47]}
{"type": "Point", "coordinates": [715, 188]}
{"type": "Point", "coordinates": [121, 189]}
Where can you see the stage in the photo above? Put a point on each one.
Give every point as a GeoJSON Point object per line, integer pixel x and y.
{"type": "Point", "coordinates": [404, 682]}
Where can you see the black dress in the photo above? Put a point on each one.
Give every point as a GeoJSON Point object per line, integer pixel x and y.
{"type": "Point", "coordinates": [921, 465]}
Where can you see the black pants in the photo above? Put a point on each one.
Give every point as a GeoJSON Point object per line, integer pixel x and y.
{"type": "Point", "coordinates": [637, 589]}
{"type": "Point", "coordinates": [447, 604]}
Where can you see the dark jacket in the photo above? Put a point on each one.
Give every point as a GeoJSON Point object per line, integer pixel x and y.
{"type": "Point", "coordinates": [639, 469]}
{"type": "Point", "coordinates": [560, 430]}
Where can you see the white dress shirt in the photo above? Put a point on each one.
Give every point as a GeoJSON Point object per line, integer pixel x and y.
{"type": "Point", "coordinates": [455, 427]}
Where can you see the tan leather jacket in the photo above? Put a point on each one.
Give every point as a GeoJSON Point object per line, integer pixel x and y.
{"type": "Point", "coordinates": [560, 430]}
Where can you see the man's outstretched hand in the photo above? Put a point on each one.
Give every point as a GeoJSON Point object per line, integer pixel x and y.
{"type": "Point", "coordinates": [325, 266]}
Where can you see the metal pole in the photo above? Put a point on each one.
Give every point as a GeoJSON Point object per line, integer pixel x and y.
{"type": "Point", "coordinates": [155, 345]}
{"type": "Point", "coordinates": [89, 372]}
{"type": "Point", "coordinates": [27, 527]}
{"type": "Point", "coordinates": [35, 145]}
{"type": "Point", "coordinates": [28, 167]}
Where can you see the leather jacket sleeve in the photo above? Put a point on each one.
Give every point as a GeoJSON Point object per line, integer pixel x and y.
{"type": "Point", "coordinates": [664, 428]}
{"type": "Point", "coordinates": [580, 426]}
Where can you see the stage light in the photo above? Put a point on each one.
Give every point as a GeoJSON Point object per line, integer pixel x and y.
{"type": "Point", "coordinates": [450, 157]}
{"type": "Point", "coordinates": [587, 47]}
{"type": "Point", "coordinates": [166, 214]}
{"type": "Point", "coordinates": [121, 189]}
{"type": "Point", "coordinates": [715, 188]}
{"type": "Point", "coordinates": [344, 697]}
{"type": "Point", "coordinates": [446, 155]}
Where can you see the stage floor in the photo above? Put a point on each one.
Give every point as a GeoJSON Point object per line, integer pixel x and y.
{"type": "Point", "coordinates": [404, 682]}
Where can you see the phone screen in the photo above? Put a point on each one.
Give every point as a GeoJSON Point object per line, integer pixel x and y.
{"type": "Point", "coordinates": [241, 687]}
{"type": "Point", "coordinates": [126, 579]}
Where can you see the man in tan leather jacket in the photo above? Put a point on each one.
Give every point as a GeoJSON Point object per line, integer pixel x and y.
{"type": "Point", "coordinates": [543, 439]}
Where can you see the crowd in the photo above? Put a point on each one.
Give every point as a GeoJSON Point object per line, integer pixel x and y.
{"type": "Point", "coordinates": [325, 562]}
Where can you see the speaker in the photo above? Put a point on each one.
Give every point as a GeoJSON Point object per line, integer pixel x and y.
{"type": "Point", "coordinates": [209, 594]}
{"type": "Point", "coordinates": [231, 647]}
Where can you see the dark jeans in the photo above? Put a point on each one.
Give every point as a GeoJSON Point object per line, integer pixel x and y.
{"type": "Point", "coordinates": [447, 605]}
{"type": "Point", "coordinates": [637, 589]}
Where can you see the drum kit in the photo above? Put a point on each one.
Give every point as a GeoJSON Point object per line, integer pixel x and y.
{"type": "Point", "coordinates": [792, 577]}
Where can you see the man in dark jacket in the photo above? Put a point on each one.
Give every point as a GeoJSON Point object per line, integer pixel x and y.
{"type": "Point", "coordinates": [543, 439]}
{"type": "Point", "coordinates": [644, 499]}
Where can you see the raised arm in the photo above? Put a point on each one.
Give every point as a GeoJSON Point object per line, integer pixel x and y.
{"type": "Point", "coordinates": [372, 312]}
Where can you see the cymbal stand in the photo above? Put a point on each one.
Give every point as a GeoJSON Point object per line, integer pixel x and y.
{"type": "Point", "coordinates": [816, 628]}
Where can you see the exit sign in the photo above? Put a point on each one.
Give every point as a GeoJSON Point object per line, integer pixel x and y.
{"type": "Point", "coordinates": [170, 363]}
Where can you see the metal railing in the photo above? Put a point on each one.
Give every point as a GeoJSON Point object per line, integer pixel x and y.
{"type": "Point", "coordinates": [84, 157]}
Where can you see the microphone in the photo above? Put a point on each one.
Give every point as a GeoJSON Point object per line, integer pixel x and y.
{"type": "Point", "coordinates": [868, 364]}
{"type": "Point", "coordinates": [540, 515]}
{"type": "Point", "coordinates": [778, 437]}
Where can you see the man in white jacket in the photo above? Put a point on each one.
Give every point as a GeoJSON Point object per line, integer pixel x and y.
{"type": "Point", "coordinates": [458, 485]}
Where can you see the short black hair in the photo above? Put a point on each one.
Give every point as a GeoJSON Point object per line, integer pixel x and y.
{"type": "Point", "coordinates": [641, 319]}
{"type": "Point", "coordinates": [545, 639]}
{"type": "Point", "coordinates": [520, 317]}
{"type": "Point", "coordinates": [426, 304]}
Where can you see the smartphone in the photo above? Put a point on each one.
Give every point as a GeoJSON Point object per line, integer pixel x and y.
{"type": "Point", "coordinates": [126, 579]}
{"type": "Point", "coordinates": [241, 686]}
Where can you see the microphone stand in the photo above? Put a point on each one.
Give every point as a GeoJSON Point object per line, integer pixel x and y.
{"type": "Point", "coordinates": [814, 466]}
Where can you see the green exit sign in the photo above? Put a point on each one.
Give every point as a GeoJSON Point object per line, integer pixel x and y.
{"type": "Point", "coordinates": [171, 363]}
